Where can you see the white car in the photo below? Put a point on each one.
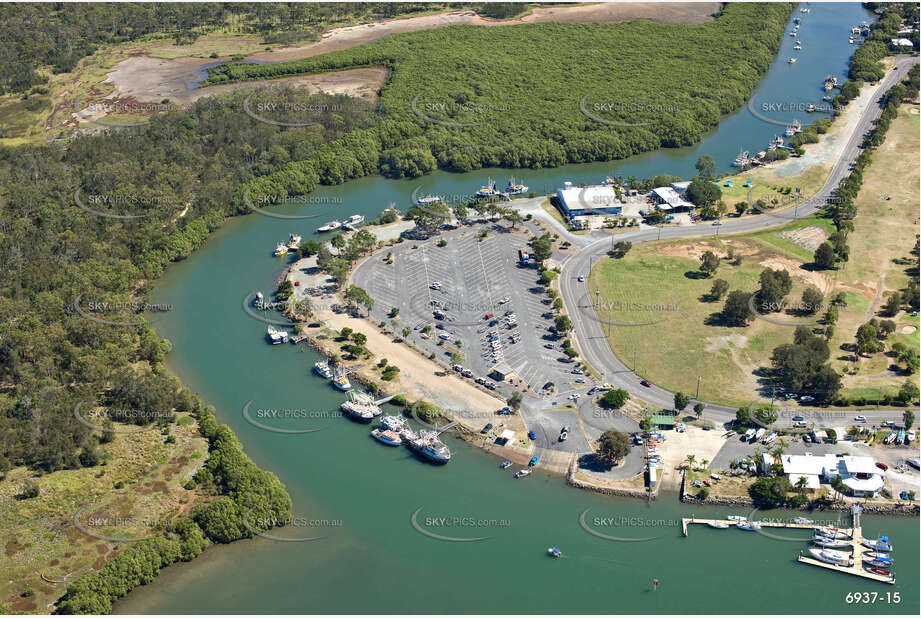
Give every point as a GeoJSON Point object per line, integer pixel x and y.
{"type": "Point", "coordinates": [581, 278]}
{"type": "Point", "coordinates": [807, 398]}
{"type": "Point", "coordinates": [717, 223]}
{"type": "Point", "coordinates": [860, 418]}
{"type": "Point", "coordinates": [435, 285]}
{"type": "Point", "coordinates": [504, 300]}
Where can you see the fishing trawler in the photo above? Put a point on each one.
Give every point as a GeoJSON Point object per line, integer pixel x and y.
{"type": "Point", "coordinates": [743, 159]}
{"type": "Point", "coordinates": [393, 423]}
{"type": "Point", "coordinates": [321, 368]}
{"type": "Point", "coordinates": [515, 189]}
{"type": "Point", "coordinates": [793, 129]}
{"type": "Point", "coordinates": [360, 407]}
{"type": "Point", "coordinates": [386, 436]}
{"type": "Point", "coordinates": [427, 445]}
{"type": "Point", "coordinates": [488, 190]}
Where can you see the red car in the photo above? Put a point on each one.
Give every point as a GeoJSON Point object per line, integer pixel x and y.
{"type": "Point", "coordinates": [881, 465]}
{"type": "Point", "coordinates": [645, 383]}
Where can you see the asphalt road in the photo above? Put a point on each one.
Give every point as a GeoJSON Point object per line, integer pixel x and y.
{"type": "Point", "coordinates": [589, 332]}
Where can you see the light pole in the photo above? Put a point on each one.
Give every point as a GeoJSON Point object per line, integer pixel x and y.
{"type": "Point", "coordinates": [697, 396]}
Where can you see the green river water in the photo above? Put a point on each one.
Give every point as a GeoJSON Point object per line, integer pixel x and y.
{"type": "Point", "coordinates": [371, 559]}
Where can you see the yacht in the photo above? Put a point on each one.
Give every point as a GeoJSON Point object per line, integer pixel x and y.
{"type": "Point", "coordinates": [330, 226]}
{"type": "Point", "coordinates": [831, 556]}
{"type": "Point", "coordinates": [294, 241]}
{"type": "Point", "coordinates": [827, 541]}
{"type": "Point", "coordinates": [505, 464]}
{"type": "Point", "coordinates": [322, 369]}
{"type": "Point", "coordinates": [276, 336]}
{"type": "Point", "coordinates": [515, 189]}
{"type": "Point", "coordinates": [281, 249]}
{"type": "Point", "coordinates": [386, 436]}
{"type": "Point", "coordinates": [834, 533]}
{"type": "Point", "coordinates": [794, 128]}
{"type": "Point", "coordinates": [791, 60]}
{"type": "Point", "coordinates": [749, 525]}
{"type": "Point", "coordinates": [803, 521]}
{"type": "Point", "coordinates": [360, 407]}
{"type": "Point", "coordinates": [427, 445]}
{"type": "Point", "coordinates": [721, 525]}
{"type": "Point", "coordinates": [879, 561]}
{"type": "Point", "coordinates": [354, 220]}
{"type": "Point", "coordinates": [259, 301]}
{"type": "Point", "coordinates": [778, 141]}
{"type": "Point", "coordinates": [880, 544]}
{"type": "Point", "coordinates": [797, 47]}
{"type": "Point", "coordinates": [810, 108]}
{"type": "Point", "coordinates": [522, 473]}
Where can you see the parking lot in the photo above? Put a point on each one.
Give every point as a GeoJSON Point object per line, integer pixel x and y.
{"type": "Point", "coordinates": [472, 297]}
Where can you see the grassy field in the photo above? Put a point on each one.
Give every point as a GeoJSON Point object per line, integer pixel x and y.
{"type": "Point", "coordinates": [139, 483]}
{"type": "Point", "coordinates": [661, 280]}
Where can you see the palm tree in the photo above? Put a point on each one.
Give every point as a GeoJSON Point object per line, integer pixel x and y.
{"type": "Point", "coordinates": [801, 484]}
{"type": "Point", "coordinates": [704, 463]}
{"type": "Point", "coordinates": [691, 458]}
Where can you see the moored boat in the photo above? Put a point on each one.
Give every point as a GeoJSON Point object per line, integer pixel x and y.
{"type": "Point", "coordinates": [330, 226]}
{"type": "Point", "coordinates": [749, 525]}
{"type": "Point", "coordinates": [276, 336]}
{"type": "Point", "coordinates": [488, 190]}
{"type": "Point", "coordinates": [721, 525]}
{"type": "Point", "coordinates": [514, 188]}
{"type": "Point", "coordinates": [385, 436]}
{"type": "Point", "coordinates": [281, 249]}
{"type": "Point", "coordinates": [832, 557]}
{"type": "Point", "coordinates": [555, 552]}
{"type": "Point", "coordinates": [427, 445]}
{"type": "Point", "coordinates": [322, 369]}
{"type": "Point", "coordinates": [834, 533]}
{"type": "Point", "coordinates": [428, 200]}
{"type": "Point", "coordinates": [522, 473]}
{"type": "Point", "coordinates": [881, 544]}
{"type": "Point", "coordinates": [294, 241]}
{"type": "Point", "coordinates": [354, 220]}
{"type": "Point", "coordinates": [393, 423]}
{"type": "Point", "coordinates": [505, 464]}
{"type": "Point", "coordinates": [360, 407]}
{"type": "Point", "coordinates": [824, 541]}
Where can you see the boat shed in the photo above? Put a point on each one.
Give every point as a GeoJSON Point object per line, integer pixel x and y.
{"type": "Point", "coordinates": [593, 200]}
{"type": "Point", "coordinates": [669, 199]}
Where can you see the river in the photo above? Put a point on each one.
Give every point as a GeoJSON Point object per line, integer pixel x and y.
{"type": "Point", "coordinates": [360, 496]}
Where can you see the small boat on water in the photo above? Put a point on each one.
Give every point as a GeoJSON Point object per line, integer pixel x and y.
{"type": "Point", "coordinates": [354, 220]}
{"type": "Point", "coordinates": [427, 445]}
{"type": "Point", "coordinates": [428, 200]}
{"type": "Point", "coordinates": [488, 190]}
{"type": "Point", "coordinates": [825, 541]}
{"type": "Point", "coordinates": [803, 520]}
{"type": "Point", "coordinates": [555, 552]}
{"type": "Point", "coordinates": [330, 226]}
{"type": "Point", "coordinates": [259, 301]}
{"type": "Point", "coordinates": [749, 525]}
{"type": "Point", "coordinates": [878, 555]}
{"type": "Point", "coordinates": [879, 562]}
{"type": "Point", "coordinates": [294, 241]}
{"type": "Point", "coordinates": [737, 518]}
{"type": "Point", "coordinates": [522, 473]}
{"type": "Point", "coordinates": [810, 108]}
{"type": "Point", "coordinates": [281, 249]}
{"type": "Point", "coordinates": [791, 60]}
{"type": "Point", "coordinates": [342, 383]}
{"type": "Point", "coordinates": [505, 464]}
{"type": "Point", "coordinates": [321, 368]}
{"type": "Point", "coordinates": [720, 525]}
{"type": "Point", "coordinates": [797, 47]}
{"type": "Point", "coordinates": [832, 557]}
{"type": "Point", "coordinates": [276, 336]}
{"type": "Point", "coordinates": [743, 159]}
{"type": "Point", "coordinates": [385, 436]}
{"type": "Point", "coordinates": [880, 544]}
{"type": "Point", "coordinates": [879, 571]}
{"type": "Point", "coordinates": [514, 188]}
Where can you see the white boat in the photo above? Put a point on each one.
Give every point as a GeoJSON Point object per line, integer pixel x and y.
{"type": "Point", "coordinates": [736, 518]}
{"type": "Point", "coordinates": [722, 525]}
{"type": "Point", "coordinates": [427, 445]}
{"type": "Point", "coordinates": [276, 336]}
{"type": "Point", "coordinates": [354, 220]}
{"type": "Point", "coordinates": [522, 473]}
{"type": "Point", "coordinates": [428, 200]}
{"type": "Point", "coordinates": [834, 533]}
{"type": "Point", "coordinates": [322, 369]}
{"type": "Point", "coordinates": [759, 434]}
{"type": "Point", "coordinates": [330, 226]}
{"type": "Point", "coordinates": [770, 437]}
{"type": "Point", "coordinates": [826, 541]}
{"type": "Point", "coordinates": [555, 552]}
{"type": "Point", "coordinates": [488, 190]}
{"type": "Point", "coordinates": [393, 423]}
{"type": "Point", "coordinates": [294, 241]}
{"type": "Point", "coordinates": [342, 383]}
{"type": "Point", "coordinates": [831, 556]}
{"type": "Point", "coordinates": [804, 10]}
{"type": "Point", "coordinates": [881, 544]}
{"type": "Point", "coordinates": [742, 160]}
{"type": "Point", "coordinates": [803, 520]}
{"type": "Point", "coordinates": [514, 188]}
{"type": "Point", "coordinates": [749, 525]}
{"type": "Point", "coordinates": [281, 249]}
{"type": "Point", "coordinates": [792, 60]}
{"type": "Point", "coordinates": [361, 407]}
{"type": "Point", "coordinates": [797, 47]}
{"type": "Point", "coordinates": [259, 301]}
{"type": "Point", "coordinates": [386, 436]}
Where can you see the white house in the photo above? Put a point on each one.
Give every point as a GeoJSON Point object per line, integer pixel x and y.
{"type": "Point", "coordinates": [902, 43]}
{"type": "Point", "coordinates": [859, 474]}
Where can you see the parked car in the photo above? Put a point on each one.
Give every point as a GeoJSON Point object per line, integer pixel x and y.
{"type": "Point", "coordinates": [882, 466]}
{"type": "Point", "coordinates": [532, 435]}
{"type": "Point", "coordinates": [860, 418]}
{"type": "Point", "coordinates": [549, 346]}
{"type": "Point", "coordinates": [801, 418]}
{"type": "Point", "coordinates": [564, 433]}
{"type": "Point", "coordinates": [486, 428]}
{"type": "Point", "coordinates": [645, 383]}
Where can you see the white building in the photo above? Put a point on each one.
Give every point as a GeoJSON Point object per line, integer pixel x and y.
{"type": "Point", "coordinates": [594, 200]}
{"type": "Point", "coordinates": [670, 200]}
{"type": "Point", "coordinates": [902, 43]}
{"type": "Point", "coordinates": [859, 474]}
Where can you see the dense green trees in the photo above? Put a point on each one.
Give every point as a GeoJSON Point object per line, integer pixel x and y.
{"type": "Point", "coordinates": [445, 108]}
{"type": "Point", "coordinates": [614, 399]}
{"type": "Point", "coordinates": [802, 366]}
{"type": "Point", "coordinates": [612, 447]}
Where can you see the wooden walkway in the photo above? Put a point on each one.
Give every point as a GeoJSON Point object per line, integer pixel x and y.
{"type": "Point", "coordinates": [856, 545]}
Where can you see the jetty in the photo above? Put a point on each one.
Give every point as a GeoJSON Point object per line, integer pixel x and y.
{"type": "Point", "coordinates": [855, 543]}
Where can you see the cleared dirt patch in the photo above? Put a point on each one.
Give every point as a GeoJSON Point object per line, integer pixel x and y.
{"type": "Point", "coordinates": [807, 237]}
{"type": "Point", "coordinates": [823, 282]}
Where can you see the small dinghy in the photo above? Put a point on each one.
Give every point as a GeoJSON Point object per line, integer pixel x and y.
{"type": "Point", "coordinates": [555, 552]}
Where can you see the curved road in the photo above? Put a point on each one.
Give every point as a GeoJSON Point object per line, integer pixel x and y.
{"type": "Point", "coordinates": [588, 328]}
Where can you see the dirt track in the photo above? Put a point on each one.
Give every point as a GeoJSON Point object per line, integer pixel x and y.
{"type": "Point", "coordinates": [153, 79]}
